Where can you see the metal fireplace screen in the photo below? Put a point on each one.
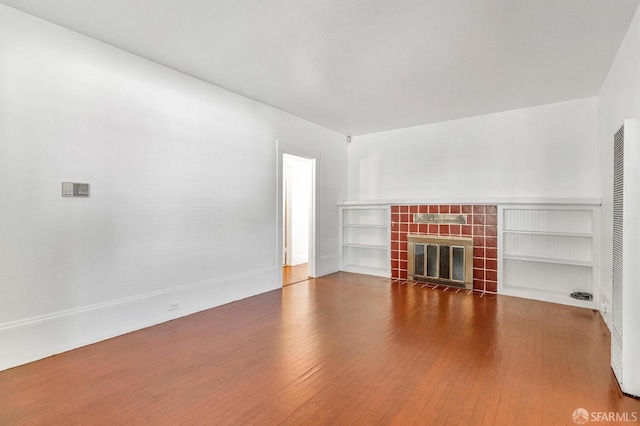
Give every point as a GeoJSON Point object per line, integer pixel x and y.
{"type": "Point", "coordinates": [444, 260]}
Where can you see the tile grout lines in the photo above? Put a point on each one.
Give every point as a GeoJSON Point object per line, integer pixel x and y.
{"type": "Point", "coordinates": [443, 288]}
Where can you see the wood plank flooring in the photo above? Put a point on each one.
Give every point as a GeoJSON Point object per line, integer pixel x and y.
{"type": "Point", "coordinates": [343, 349]}
{"type": "Point", "coordinates": [295, 274]}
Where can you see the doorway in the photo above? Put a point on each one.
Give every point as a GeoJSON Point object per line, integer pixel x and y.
{"type": "Point", "coordinates": [307, 160]}
{"type": "Point", "coordinates": [297, 194]}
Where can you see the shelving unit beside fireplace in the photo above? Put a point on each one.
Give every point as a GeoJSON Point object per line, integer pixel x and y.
{"type": "Point", "coordinates": [546, 252]}
{"type": "Point", "coordinates": [365, 236]}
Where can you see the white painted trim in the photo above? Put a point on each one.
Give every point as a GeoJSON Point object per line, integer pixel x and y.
{"type": "Point", "coordinates": [630, 291]}
{"type": "Point", "coordinates": [549, 296]}
{"type": "Point", "coordinates": [383, 270]}
{"type": "Point", "coordinates": [544, 296]}
{"type": "Point", "coordinates": [284, 147]}
{"type": "Point", "coordinates": [328, 264]}
{"type": "Point", "coordinates": [286, 180]}
{"type": "Point", "coordinates": [38, 337]}
{"type": "Point", "coordinates": [605, 308]}
{"type": "Point", "coordinates": [480, 201]}
{"type": "Point", "coordinates": [597, 259]}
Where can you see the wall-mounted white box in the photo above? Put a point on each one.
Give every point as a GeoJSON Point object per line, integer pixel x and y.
{"type": "Point", "coordinates": [74, 189]}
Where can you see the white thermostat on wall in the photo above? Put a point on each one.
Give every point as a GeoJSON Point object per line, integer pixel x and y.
{"type": "Point", "coordinates": [74, 189]}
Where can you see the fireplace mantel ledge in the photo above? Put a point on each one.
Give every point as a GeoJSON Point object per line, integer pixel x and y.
{"type": "Point", "coordinates": [477, 201]}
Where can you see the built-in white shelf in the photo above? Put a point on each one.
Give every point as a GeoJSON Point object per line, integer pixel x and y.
{"type": "Point", "coordinates": [365, 239]}
{"type": "Point", "coordinates": [549, 260]}
{"type": "Point", "coordinates": [553, 297]}
{"type": "Point", "coordinates": [364, 226]}
{"type": "Point", "coordinates": [559, 234]}
{"type": "Point", "coordinates": [546, 252]}
{"type": "Point", "coordinates": [367, 246]}
{"type": "Point", "coordinates": [480, 201]}
{"type": "Point", "coordinates": [367, 270]}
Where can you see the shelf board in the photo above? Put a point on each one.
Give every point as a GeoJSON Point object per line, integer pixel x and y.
{"type": "Point", "coordinates": [544, 295]}
{"type": "Point", "coordinates": [357, 225]}
{"type": "Point", "coordinates": [496, 200]}
{"type": "Point", "coordinates": [549, 260]}
{"type": "Point", "coordinates": [369, 270]}
{"type": "Point", "coordinates": [367, 246]}
{"type": "Point", "coordinates": [373, 268]}
{"type": "Point", "coordinates": [559, 234]}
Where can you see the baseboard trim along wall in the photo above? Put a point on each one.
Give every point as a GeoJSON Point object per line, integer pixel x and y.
{"type": "Point", "coordinates": [605, 306]}
{"type": "Point", "coordinates": [328, 264]}
{"type": "Point", "coordinates": [38, 337]}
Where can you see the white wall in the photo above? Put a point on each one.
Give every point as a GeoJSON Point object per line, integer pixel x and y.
{"type": "Point", "coordinates": [183, 191]}
{"type": "Point", "coordinates": [618, 100]}
{"type": "Point", "coordinates": [542, 152]}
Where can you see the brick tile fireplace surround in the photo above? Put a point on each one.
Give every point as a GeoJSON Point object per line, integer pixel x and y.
{"type": "Point", "coordinates": [482, 226]}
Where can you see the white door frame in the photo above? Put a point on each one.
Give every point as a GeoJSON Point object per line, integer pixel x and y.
{"type": "Point", "coordinates": [287, 213]}
{"type": "Point", "coordinates": [283, 147]}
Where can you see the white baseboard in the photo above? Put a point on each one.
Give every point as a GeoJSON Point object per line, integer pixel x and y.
{"type": "Point", "coordinates": [327, 265]}
{"type": "Point", "coordinates": [605, 307]}
{"type": "Point", "coordinates": [35, 338]}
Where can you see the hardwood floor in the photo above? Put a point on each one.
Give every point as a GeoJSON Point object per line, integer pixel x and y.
{"type": "Point", "coordinates": [295, 274]}
{"type": "Point", "coordinates": [343, 349]}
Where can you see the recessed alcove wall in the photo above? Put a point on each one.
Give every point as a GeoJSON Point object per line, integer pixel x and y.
{"type": "Point", "coordinates": [482, 226]}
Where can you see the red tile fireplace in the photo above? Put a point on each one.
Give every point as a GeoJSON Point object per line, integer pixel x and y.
{"type": "Point", "coordinates": [478, 223]}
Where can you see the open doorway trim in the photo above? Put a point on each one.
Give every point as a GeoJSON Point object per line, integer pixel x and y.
{"type": "Point", "coordinates": [283, 147]}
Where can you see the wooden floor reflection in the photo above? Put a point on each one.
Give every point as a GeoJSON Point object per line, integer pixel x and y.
{"type": "Point", "coordinates": [343, 349]}
{"type": "Point", "coordinates": [295, 274]}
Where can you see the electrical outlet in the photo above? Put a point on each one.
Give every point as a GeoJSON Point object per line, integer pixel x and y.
{"type": "Point", "coordinates": [173, 306]}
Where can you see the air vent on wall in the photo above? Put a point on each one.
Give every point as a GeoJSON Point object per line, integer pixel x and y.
{"type": "Point", "coordinates": [625, 316]}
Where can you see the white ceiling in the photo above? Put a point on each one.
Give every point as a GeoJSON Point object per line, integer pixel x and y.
{"type": "Point", "coordinates": [363, 66]}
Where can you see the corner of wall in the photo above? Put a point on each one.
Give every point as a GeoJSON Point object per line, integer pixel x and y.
{"type": "Point", "coordinates": [32, 339]}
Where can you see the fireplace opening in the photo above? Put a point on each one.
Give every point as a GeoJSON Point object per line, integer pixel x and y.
{"type": "Point", "coordinates": [443, 260]}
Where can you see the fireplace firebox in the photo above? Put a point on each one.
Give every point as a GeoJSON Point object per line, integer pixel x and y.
{"type": "Point", "coordinates": [442, 260]}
